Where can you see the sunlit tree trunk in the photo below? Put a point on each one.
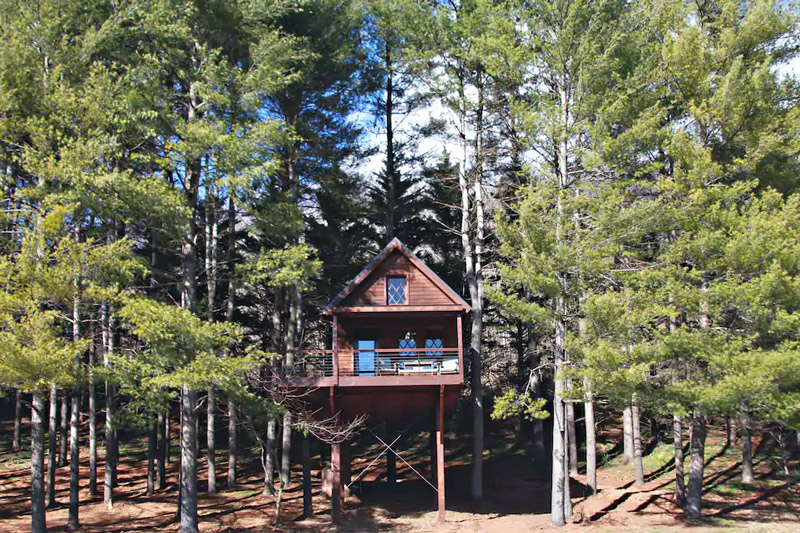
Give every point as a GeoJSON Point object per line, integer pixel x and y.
{"type": "Point", "coordinates": [627, 434]}
{"type": "Point", "coordinates": [696, 465]}
{"type": "Point", "coordinates": [188, 482]}
{"type": "Point", "coordinates": [110, 434]}
{"type": "Point", "coordinates": [591, 440]}
{"type": "Point", "coordinates": [573, 441]}
{"type": "Point", "coordinates": [269, 460]}
{"type": "Point", "coordinates": [152, 445]}
{"type": "Point", "coordinates": [637, 441]}
{"type": "Point", "coordinates": [53, 433]}
{"type": "Point", "coordinates": [232, 444]}
{"type": "Point", "coordinates": [677, 439]}
{"type": "Point", "coordinates": [64, 423]}
{"type": "Point", "coordinates": [188, 452]}
{"type": "Point", "coordinates": [92, 418]}
{"type": "Point", "coordinates": [38, 524]}
{"type": "Point", "coordinates": [74, 434]}
{"type": "Point", "coordinates": [210, 437]}
{"type": "Point", "coordinates": [161, 451]}
{"type": "Point", "coordinates": [747, 447]}
{"type": "Point", "coordinates": [17, 421]}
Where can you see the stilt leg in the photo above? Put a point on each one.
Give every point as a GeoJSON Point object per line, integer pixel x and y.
{"type": "Point", "coordinates": [307, 509]}
{"type": "Point", "coordinates": [440, 452]}
{"type": "Point", "coordinates": [432, 447]}
{"type": "Point", "coordinates": [336, 491]}
{"type": "Point", "coordinates": [391, 459]}
{"type": "Point", "coordinates": [346, 467]}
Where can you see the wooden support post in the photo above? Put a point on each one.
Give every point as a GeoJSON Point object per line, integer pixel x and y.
{"type": "Point", "coordinates": [335, 348]}
{"type": "Point", "coordinates": [336, 489]}
{"type": "Point", "coordinates": [307, 507]}
{"type": "Point", "coordinates": [440, 453]}
{"type": "Point", "coordinates": [346, 467]}
{"type": "Point", "coordinates": [432, 448]}
{"type": "Point", "coordinates": [460, 336]}
{"type": "Point", "coordinates": [391, 458]}
{"type": "Point", "coordinates": [336, 471]}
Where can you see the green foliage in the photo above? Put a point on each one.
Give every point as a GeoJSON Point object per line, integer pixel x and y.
{"type": "Point", "coordinates": [40, 285]}
{"type": "Point", "coordinates": [291, 266]}
{"type": "Point", "coordinates": [516, 404]}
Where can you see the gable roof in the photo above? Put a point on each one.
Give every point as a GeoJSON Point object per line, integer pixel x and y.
{"type": "Point", "coordinates": [395, 245]}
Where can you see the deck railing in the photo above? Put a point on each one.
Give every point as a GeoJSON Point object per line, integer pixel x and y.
{"type": "Point", "coordinates": [378, 362]}
{"type": "Point", "coordinates": [399, 362]}
{"type": "Point", "coordinates": [313, 364]}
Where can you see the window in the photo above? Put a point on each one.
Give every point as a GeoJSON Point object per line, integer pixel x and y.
{"type": "Point", "coordinates": [433, 346]}
{"type": "Point", "coordinates": [395, 291]}
{"type": "Point", "coordinates": [408, 344]}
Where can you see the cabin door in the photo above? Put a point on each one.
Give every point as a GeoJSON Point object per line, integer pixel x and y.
{"type": "Point", "coordinates": [366, 356]}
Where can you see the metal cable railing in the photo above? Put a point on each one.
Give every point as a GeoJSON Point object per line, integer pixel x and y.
{"type": "Point", "coordinates": [377, 362]}
{"type": "Point", "coordinates": [399, 362]}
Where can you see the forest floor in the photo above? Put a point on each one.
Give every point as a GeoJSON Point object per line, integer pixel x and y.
{"type": "Point", "coordinates": [517, 494]}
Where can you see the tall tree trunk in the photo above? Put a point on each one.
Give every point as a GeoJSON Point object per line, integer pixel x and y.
{"type": "Point", "coordinates": [211, 234]}
{"type": "Point", "coordinates": [560, 507]}
{"type": "Point", "coordinates": [110, 433]}
{"type": "Point", "coordinates": [591, 440]}
{"type": "Point", "coordinates": [637, 441]}
{"type": "Point", "coordinates": [152, 446]}
{"type": "Point", "coordinates": [307, 510]}
{"type": "Point", "coordinates": [75, 423]}
{"type": "Point", "coordinates": [38, 524]}
{"type": "Point", "coordinates": [573, 441]}
{"type": "Point", "coordinates": [560, 435]}
{"type": "Point", "coordinates": [627, 434]}
{"type": "Point", "coordinates": [64, 423]}
{"type": "Point", "coordinates": [188, 483]}
{"type": "Point", "coordinates": [232, 434]}
{"type": "Point", "coordinates": [92, 418]}
{"type": "Point", "coordinates": [696, 465]}
{"type": "Point", "coordinates": [211, 285]}
{"type": "Point", "coordinates": [534, 386]}
{"type": "Point", "coordinates": [269, 460]}
{"type": "Point", "coordinates": [230, 306]}
{"type": "Point", "coordinates": [567, 479]}
{"type": "Point", "coordinates": [231, 255]}
{"type": "Point", "coordinates": [291, 345]}
{"type": "Point", "coordinates": [53, 433]}
{"type": "Point", "coordinates": [747, 447]}
{"type": "Point", "coordinates": [472, 272]}
{"type": "Point", "coordinates": [161, 450]}
{"type": "Point", "coordinates": [167, 435]}
{"type": "Point", "coordinates": [17, 421]}
{"type": "Point", "coordinates": [697, 428]}
{"type": "Point", "coordinates": [731, 427]}
{"type": "Point", "coordinates": [677, 439]}
{"type": "Point", "coordinates": [210, 437]}
{"type": "Point", "coordinates": [74, 461]}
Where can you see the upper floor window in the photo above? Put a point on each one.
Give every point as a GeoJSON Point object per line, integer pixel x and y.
{"type": "Point", "coordinates": [433, 345]}
{"type": "Point", "coordinates": [395, 291]}
{"type": "Point", "coordinates": [408, 344]}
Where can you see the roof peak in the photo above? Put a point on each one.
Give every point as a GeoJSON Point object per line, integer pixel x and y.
{"type": "Point", "coordinates": [395, 244]}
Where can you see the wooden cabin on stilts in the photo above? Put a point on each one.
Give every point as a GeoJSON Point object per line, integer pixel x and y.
{"type": "Point", "coordinates": [396, 356]}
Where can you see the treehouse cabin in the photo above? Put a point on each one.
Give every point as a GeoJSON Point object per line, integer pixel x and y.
{"type": "Point", "coordinates": [396, 351]}
{"type": "Point", "coordinates": [396, 333]}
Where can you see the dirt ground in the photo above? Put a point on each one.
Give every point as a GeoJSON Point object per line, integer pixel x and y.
{"type": "Point", "coordinates": [516, 496]}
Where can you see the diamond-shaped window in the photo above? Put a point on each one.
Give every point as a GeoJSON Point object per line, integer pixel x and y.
{"type": "Point", "coordinates": [395, 291]}
{"type": "Point", "coordinates": [433, 346]}
{"type": "Point", "coordinates": [408, 347]}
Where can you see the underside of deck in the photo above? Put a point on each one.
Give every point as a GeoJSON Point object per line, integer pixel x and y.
{"type": "Point", "coordinates": [406, 403]}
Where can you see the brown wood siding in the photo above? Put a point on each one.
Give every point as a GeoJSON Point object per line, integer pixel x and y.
{"type": "Point", "coordinates": [420, 289]}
